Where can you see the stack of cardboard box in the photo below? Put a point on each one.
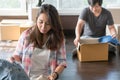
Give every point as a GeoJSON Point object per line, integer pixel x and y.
{"type": "Point", "coordinates": [10, 29]}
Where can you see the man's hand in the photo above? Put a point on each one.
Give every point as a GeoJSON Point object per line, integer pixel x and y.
{"type": "Point", "coordinates": [114, 35]}
{"type": "Point", "coordinates": [76, 40]}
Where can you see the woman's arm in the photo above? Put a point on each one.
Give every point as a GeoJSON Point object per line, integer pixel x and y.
{"type": "Point", "coordinates": [61, 62]}
{"type": "Point", "coordinates": [19, 49]}
{"type": "Point", "coordinates": [56, 73]}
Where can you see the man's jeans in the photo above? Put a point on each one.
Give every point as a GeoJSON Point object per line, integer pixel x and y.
{"type": "Point", "coordinates": [11, 71]}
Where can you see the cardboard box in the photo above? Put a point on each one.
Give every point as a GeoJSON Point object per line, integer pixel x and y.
{"type": "Point", "coordinates": [25, 26]}
{"type": "Point", "coordinates": [92, 51]}
{"type": "Point", "coordinates": [11, 29]}
{"type": "Point", "coordinates": [9, 32]}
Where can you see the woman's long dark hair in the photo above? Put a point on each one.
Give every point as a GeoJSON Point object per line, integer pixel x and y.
{"type": "Point", "coordinates": [55, 34]}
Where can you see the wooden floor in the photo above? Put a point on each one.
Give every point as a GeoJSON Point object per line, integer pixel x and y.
{"type": "Point", "coordinates": [105, 70]}
{"type": "Point", "coordinates": [108, 70]}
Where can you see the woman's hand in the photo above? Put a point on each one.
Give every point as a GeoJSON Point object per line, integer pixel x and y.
{"type": "Point", "coordinates": [11, 59]}
{"type": "Point", "coordinates": [53, 76]}
{"type": "Point", "coordinates": [15, 58]}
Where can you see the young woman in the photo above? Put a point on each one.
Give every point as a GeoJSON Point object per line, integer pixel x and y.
{"type": "Point", "coordinates": [41, 48]}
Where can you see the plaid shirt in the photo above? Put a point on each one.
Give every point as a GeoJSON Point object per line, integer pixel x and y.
{"type": "Point", "coordinates": [25, 52]}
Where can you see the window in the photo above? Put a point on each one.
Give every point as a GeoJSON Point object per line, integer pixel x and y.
{"type": "Point", "coordinates": [75, 6]}
{"type": "Point", "coordinates": [19, 7]}
{"type": "Point", "coordinates": [12, 7]}
{"type": "Point", "coordinates": [111, 3]}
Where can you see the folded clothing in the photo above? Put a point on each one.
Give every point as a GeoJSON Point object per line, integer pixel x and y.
{"type": "Point", "coordinates": [109, 39]}
{"type": "Point", "coordinates": [12, 71]}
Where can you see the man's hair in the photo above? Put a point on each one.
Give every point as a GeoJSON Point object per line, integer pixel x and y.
{"type": "Point", "coordinates": [93, 2]}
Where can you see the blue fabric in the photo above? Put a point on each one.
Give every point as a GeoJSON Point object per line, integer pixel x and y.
{"type": "Point", "coordinates": [11, 71]}
{"type": "Point", "coordinates": [109, 39]}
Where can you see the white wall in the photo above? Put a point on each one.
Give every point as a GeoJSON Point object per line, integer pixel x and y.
{"type": "Point", "coordinates": [116, 15]}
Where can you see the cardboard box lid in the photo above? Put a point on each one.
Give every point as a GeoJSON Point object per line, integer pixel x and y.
{"type": "Point", "coordinates": [13, 21]}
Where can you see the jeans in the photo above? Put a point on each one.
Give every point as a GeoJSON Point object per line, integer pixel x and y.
{"type": "Point", "coordinates": [11, 71]}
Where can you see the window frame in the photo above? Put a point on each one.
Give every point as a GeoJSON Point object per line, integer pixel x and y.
{"type": "Point", "coordinates": [76, 11]}
{"type": "Point", "coordinates": [15, 12]}
{"type": "Point", "coordinates": [23, 10]}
